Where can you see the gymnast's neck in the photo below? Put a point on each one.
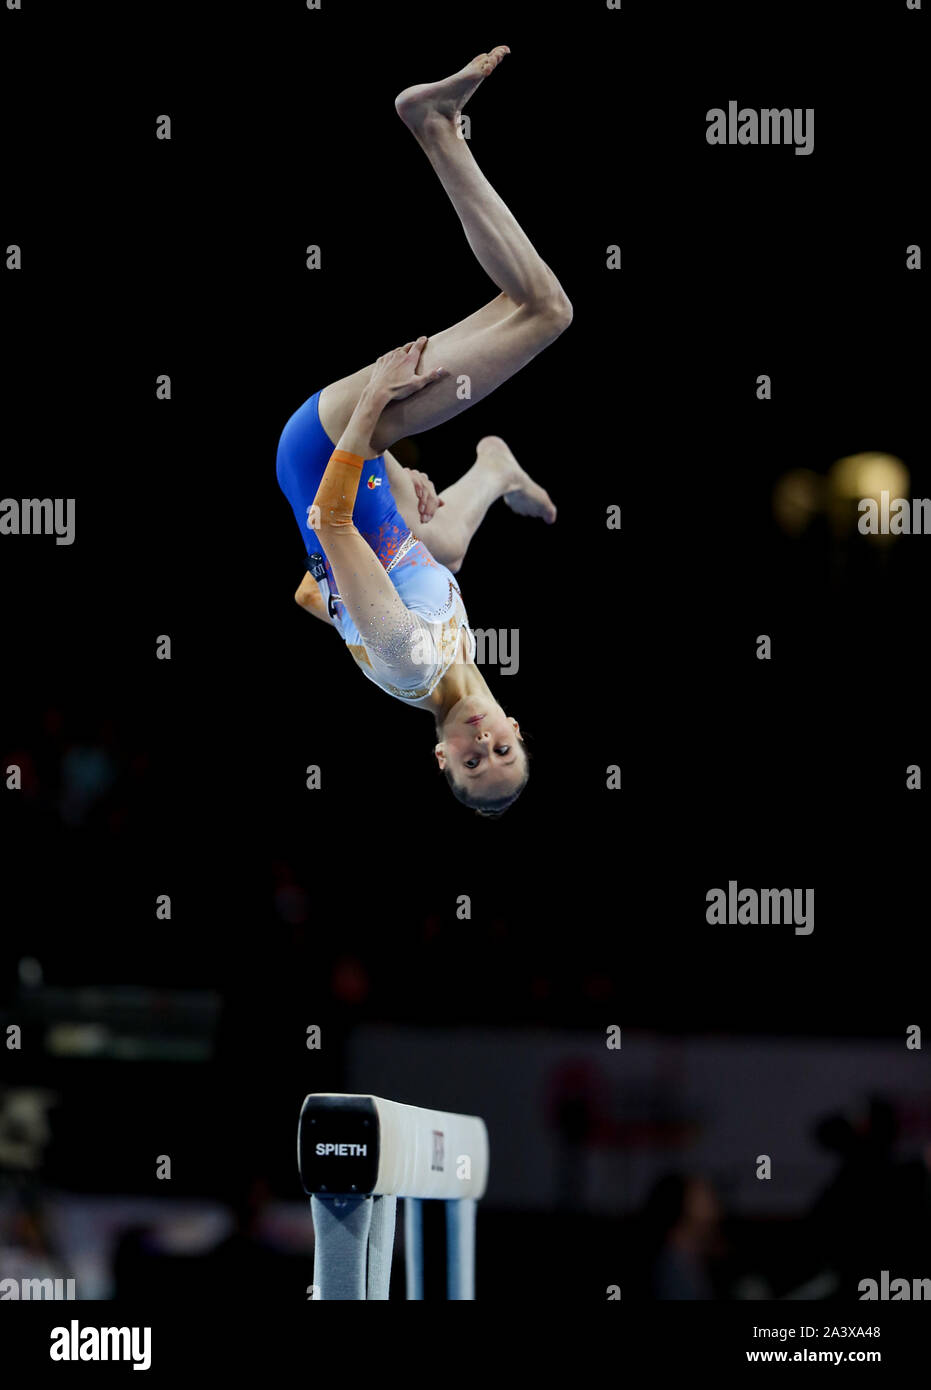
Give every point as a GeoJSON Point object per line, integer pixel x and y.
{"type": "Point", "coordinates": [460, 680]}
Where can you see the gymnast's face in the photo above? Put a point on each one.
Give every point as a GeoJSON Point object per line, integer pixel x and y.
{"type": "Point", "coordinates": [481, 747]}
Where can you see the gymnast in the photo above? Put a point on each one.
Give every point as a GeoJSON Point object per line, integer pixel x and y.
{"type": "Point", "coordinates": [382, 546]}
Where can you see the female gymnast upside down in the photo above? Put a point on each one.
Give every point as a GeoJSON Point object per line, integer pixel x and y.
{"type": "Point", "coordinates": [384, 548]}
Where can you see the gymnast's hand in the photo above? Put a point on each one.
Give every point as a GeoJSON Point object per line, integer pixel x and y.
{"type": "Point", "coordinates": [427, 499]}
{"type": "Point", "coordinates": [394, 375]}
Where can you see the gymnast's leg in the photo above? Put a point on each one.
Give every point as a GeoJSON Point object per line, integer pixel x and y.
{"type": "Point", "coordinates": [495, 473]}
{"type": "Point", "coordinates": [489, 346]}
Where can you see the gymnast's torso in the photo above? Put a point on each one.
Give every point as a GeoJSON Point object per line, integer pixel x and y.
{"type": "Point", "coordinates": [410, 659]}
{"type": "Point", "coordinates": [410, 666]}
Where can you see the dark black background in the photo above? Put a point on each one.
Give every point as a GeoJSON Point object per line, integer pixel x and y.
{"type": "Point", "coordinates": [637, 648]}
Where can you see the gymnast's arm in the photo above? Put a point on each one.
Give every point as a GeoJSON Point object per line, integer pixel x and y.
{"type": "Point", "coordinates": [367, 593]}
{"type": "Point", "coordinates": [416, 500]}
{"type": "Point", "coordinates": [414, 494]}
{"type": "Point", "coordinates": [355, 439]}
{"type": "Point", "coordinates": [386, 627]}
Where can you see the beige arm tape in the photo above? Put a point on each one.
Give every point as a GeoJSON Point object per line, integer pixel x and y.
{"type": "Point", "coordinates": [336, 495]}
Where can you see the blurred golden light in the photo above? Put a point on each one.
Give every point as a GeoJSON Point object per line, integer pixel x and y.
{"type": "Point", "coordinates": [797, 498]}
{"type": "Point", "coordinates": [858, 476]}
{"type": "Point", "coordinates": [867, 475]}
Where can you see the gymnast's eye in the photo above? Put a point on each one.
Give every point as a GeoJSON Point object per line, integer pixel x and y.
{"type": "Point", "coordinates": [473, 762]}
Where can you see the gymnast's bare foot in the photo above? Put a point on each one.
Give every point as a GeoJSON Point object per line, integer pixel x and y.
{"type": "Point", "coordinates": [416, 105]}
{"type": "Point", "coordinates": [522, 494]}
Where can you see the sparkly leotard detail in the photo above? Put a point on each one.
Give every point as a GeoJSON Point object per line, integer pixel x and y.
{"type": "Point", "coordinates": [412, 659]}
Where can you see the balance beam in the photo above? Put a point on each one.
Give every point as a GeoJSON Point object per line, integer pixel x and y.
{"type": "Point", "coordinates": [356, 1155]}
